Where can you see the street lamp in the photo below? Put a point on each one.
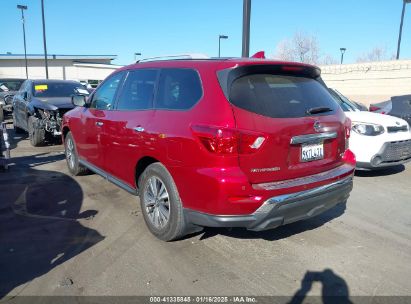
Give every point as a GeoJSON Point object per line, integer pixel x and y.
{"type": "Point", "coordinates": [22, 8]}
{"type": "Point", "coordinates": [44, 39]}
{"type": "Point", "coordinates": [246, 28]}
{"type": "Point", "coordinates": [401, 23]}
{"type": "Point", "coordinates": [342, 54]}
{"type": "Point", "coordinates": [219, 42]}
{"type": "Point", "coordinates": [135, 56]}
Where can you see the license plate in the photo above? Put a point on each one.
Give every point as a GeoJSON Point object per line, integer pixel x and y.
{"type": "Point", "coordinates": [312, 152]}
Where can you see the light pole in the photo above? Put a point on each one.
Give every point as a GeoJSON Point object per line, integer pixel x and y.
{"type": "Point", "coordinates": [246, 28]}
{"type": "Point", "coordinates": [219, 42]}
{"type": "Point", "coordinates": [22, 8]}
{"type": "Point", "coordinates": [44, 39]}
{"type": "Point", "coordinates": [342, 54]}
{"type": "Point", "coordinates": [401, 23]}
{"type": "Point", "coordinates": [135, 56]}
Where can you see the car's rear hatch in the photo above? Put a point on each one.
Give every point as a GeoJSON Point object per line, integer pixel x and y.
{"type": "Point", "coordinates": [303, 128]}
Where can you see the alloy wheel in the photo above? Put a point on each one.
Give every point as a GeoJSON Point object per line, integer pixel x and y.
{"type": "Point", "coordinates": [70, 153]}
{"type": "Point", "coordinates": [157, 202]}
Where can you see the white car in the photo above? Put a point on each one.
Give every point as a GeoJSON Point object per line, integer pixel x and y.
{"type": "Point", "coordinates": [377, 140]}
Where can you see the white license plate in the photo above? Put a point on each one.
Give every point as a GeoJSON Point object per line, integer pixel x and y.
{"type": "Point", "coordinates": [311, 152]}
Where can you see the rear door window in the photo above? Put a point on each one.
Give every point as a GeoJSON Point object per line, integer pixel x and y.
{"type": "Point", "coordinates": [280, 96]}
{"type": "Point", "coordinates": [179, 89]}
{"type": "Point", "coordinates": [138, 90]}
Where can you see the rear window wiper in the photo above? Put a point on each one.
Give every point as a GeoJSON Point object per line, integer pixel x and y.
{"type": "Point", "coordinates": [318, 110]}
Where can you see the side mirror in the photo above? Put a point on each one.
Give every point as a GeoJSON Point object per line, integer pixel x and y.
{"type": "Point", "coordinates": [78, 100]}
{"type": "Point", "coordinates": [25, 95]}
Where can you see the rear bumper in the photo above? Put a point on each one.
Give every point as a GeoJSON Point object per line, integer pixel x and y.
{"type": "Point", "coordinates": [280, 210]}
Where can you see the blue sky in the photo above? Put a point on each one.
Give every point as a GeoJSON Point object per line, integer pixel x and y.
{"type": "Point", "coordinates": [158, 27]}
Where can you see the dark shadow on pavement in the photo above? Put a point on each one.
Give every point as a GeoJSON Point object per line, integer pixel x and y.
{"type": "Point", "coordinates": [280, 232]}
{"type": "Point", "coordinates": [39, 227]}
{"type": "Point", "coordinates": [334, 288]}
{"type": "Point", "coordinates": [380, 172]}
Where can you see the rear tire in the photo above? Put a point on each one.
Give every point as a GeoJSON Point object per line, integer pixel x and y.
{"type": "Point", "coordinates": [36, 136]}
{"type": "Point", "coordinates": [70, 150]}
{"type": "Point", "coordinates": [161, 204]}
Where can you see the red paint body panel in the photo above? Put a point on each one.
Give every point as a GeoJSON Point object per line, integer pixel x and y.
{"type": "Point", "coordinates": [207, 182]}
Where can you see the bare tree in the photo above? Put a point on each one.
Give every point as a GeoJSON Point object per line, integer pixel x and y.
{"type": "Point", "coordinates": [285, 51]}
{"type": "Point", "coordinates": [376, 54]}
{"type": "Point", "coordinates": [302, 47]}
{"type": "Point", "coordinates": [306, 47]}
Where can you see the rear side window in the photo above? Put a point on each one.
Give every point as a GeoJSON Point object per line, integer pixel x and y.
{"type": "Point", "coordinates": [179, 89]}
{"type": "Point", "coordinates": [138, 90]}
{"type": "Point", "coordinates": [279, 96]}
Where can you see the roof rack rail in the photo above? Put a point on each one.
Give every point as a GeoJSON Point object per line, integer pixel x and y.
{"type": "Point", "coordinates": [191, 56]}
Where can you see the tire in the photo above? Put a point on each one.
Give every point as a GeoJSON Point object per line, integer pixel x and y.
{"type": "Point", "coordinates": [36, 136]}
{"type": "Point", "coordinates": [164, 217]}
{"type": "Point", "coordinates": [70, 150]}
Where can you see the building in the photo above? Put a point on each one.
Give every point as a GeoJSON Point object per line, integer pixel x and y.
{"type": "Point", "coordinates": [89, 68]}
{"type": "Point", "coordinates": [370, 82]}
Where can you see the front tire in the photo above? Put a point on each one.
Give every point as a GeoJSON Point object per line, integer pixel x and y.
{"type": "Point", "coordinates": [36, 135]}
{"type": "Point", "coordinates": [161, 204]}
{"type": "Point", "coordinates": [70, 150]}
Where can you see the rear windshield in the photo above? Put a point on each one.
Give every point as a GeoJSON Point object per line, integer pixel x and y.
{"type": "Point", "coordinates": [58, 89]}
{"type": "Point", "coordinates": [280, 96]}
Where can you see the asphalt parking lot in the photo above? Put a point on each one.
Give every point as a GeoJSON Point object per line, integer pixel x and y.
{"type": "Point", "coordinates": [63, 235]}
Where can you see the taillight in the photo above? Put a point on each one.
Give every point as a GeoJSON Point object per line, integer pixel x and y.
{"type": "Point", "coordinates": [374, 108]}
{"type": "Point", "coordinates": [349, 157]}
{"type": "Point", "coordinates": [347, 132]}
{"type": "Point", "coordinates": [225, 141]}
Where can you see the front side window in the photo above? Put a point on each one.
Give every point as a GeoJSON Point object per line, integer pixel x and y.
{"type": "Point", "coordinates": [138, 90]}
{"type": "Point", "coordinates": [103, 98]}
{"type": "Point", "coordinates": [179, 89]}
{"type": "Point", "coordinates": [347, 107]}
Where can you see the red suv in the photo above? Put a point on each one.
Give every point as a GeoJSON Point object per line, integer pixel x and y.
{"type": "Point", "coordinates": [221, 143]}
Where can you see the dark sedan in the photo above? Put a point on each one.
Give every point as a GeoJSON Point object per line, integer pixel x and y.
{"type": "Point", "coordinates": [399, 106]}
{"type": "Point", "coordinates": [8, 87]}
{"type": "Point", "coordinates": [39, 106]}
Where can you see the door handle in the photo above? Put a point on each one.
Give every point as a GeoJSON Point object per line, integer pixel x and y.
{"type": "Point", "coordinates": [139, 129]}
{"type": "Point", "coordinates": [99, 123]}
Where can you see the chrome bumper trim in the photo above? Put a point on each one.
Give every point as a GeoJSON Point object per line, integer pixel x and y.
{"type": "Point", "coordinates": [341, 170]}
{"type": "Point", "coordinates": [291, 197]}
{"type": "Point", "coordinates": [303, 139]}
